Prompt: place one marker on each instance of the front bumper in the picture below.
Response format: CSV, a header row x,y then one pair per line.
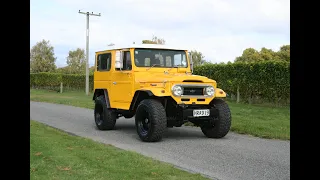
x,y
196,100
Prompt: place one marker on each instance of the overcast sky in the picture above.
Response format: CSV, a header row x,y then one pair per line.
x,y
220,29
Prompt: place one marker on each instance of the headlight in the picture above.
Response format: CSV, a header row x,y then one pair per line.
x,y
210,91
177,90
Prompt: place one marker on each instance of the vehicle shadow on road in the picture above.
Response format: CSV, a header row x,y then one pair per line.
x,y
128,127
183,133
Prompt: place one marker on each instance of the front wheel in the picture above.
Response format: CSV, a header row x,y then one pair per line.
x,y
222,125
150,120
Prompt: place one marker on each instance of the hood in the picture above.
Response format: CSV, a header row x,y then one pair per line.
x,y
172,77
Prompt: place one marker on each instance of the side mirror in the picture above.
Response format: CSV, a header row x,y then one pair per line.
x,y
119,59
191,62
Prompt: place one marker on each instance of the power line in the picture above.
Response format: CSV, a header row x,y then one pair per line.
x,y
87,47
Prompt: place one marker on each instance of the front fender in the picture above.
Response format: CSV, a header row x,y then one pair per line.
x,y
220,93
156,91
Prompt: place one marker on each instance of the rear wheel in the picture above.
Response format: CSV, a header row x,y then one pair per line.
x,y
105,118
222,125
150,120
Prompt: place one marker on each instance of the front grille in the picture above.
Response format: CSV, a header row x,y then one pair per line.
x,y
193,91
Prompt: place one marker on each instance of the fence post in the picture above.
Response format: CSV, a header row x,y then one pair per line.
x,y
61,87
238,95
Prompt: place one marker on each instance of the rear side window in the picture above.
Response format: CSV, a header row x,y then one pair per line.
x,y
104,62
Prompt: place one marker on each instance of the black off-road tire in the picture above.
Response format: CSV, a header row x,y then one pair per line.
x,y
152,129
105,118
222,125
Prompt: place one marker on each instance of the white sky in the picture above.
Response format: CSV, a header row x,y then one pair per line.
x,y
220,29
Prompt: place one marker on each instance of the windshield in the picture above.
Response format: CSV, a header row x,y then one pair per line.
x,y
160,58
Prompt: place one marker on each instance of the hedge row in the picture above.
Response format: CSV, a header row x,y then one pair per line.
x,y
53,80
266,80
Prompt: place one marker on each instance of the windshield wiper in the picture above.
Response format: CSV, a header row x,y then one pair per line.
x,y
176,66
153,66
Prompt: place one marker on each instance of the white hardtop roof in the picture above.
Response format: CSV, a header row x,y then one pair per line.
x,y
149,46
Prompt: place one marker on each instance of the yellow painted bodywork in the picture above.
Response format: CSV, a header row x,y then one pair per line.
x,y
122,85
220,93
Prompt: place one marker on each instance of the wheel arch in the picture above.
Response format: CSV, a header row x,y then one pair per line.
x,y
139,96
99,92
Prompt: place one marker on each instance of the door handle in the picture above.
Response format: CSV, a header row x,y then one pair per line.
x,y
114,83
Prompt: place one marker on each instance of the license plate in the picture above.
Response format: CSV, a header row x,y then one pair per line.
x,y
201,112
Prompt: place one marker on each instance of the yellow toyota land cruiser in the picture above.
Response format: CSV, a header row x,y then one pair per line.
x,y
154,84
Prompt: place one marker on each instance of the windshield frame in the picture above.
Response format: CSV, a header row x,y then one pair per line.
x,y
183,52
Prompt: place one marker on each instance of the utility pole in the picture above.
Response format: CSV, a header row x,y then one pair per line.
x,y
87,48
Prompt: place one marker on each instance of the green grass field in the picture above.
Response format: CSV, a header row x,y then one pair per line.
x,y
256,120
58,155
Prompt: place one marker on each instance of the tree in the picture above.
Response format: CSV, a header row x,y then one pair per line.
x,y
284,53
76,61
197,58
155,40
206,62
249,55
42,57
63,70
252,55
91,69
268,54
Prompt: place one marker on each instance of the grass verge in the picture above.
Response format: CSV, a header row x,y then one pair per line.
x,y
256,120
57,155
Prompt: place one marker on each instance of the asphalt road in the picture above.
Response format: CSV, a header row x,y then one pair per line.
x,y
231,158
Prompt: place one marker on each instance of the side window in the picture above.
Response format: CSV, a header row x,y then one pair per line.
x,y
127,65
104,62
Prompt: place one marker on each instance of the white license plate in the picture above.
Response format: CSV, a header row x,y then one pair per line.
x,y
201,112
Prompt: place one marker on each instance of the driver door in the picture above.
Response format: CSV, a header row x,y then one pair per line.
x,y
122,83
